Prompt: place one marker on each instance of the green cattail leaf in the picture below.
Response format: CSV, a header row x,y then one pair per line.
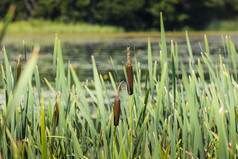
x,y
223,44
24,51
100,99
4,145
173,72
77,148
91,94
15,73
233,58
112,82
55,54
163,41
62,121
150,63
37,78
114,68
43,137
189,49
81,91
142,129
142,113
69,76
228,46
236,114
50,86
206,45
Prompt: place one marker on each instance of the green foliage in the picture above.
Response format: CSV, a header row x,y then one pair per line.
x,y
122,13
130,14
173,16
194,116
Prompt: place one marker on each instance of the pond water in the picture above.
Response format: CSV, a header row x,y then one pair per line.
x,y
79,52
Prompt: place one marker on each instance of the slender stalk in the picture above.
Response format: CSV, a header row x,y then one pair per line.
x,y
130,125
114,142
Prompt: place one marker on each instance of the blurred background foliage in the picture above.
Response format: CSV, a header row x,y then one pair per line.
x,y
139,15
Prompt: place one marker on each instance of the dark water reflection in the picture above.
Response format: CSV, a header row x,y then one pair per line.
x,y
80,53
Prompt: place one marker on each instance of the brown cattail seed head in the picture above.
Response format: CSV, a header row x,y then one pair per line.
x,y
117,110
117,107
129,73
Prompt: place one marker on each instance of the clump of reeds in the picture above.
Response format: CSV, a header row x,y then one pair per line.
x,y
117,107
193,115
129,72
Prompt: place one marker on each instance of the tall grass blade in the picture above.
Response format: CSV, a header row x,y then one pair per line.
x,y
163,41
8,19
77,148
206,45
43,137
37,78
189,49
99,91
150,63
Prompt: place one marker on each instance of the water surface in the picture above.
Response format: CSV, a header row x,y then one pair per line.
x,y
79,51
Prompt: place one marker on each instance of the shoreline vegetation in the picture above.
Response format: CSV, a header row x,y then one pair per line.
x,y
45,31
44,27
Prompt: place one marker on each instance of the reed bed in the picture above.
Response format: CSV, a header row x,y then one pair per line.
x,y
173,113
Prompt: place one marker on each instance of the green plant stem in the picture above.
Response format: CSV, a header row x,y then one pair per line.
x,y
130,125
130,111
114,142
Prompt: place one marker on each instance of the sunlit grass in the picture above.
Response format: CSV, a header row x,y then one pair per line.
x,y
49,27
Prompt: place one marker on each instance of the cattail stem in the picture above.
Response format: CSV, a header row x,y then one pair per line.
x,y
119,88
114,142
130,121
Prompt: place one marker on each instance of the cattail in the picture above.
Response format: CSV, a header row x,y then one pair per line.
x,y
117,106
18,67
129,73
56,110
